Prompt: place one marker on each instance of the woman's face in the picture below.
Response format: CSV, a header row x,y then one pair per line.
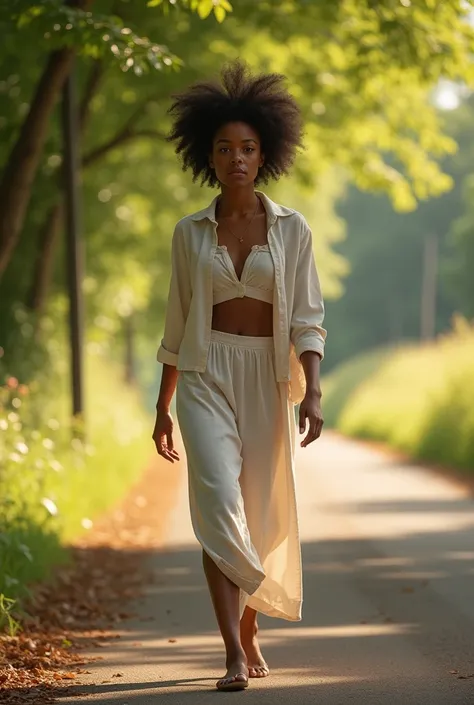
x,y
236,154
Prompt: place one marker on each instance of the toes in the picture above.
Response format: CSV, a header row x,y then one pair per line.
x,y
239,677
259,671
229,679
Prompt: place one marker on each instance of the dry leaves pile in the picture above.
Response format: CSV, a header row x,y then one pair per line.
x,y
83,604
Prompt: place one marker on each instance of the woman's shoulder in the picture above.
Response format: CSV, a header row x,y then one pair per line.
x,y
194,219
186,226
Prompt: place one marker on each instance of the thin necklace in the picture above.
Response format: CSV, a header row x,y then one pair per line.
x,y
241,239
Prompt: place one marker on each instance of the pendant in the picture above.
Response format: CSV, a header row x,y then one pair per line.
x,y
241,239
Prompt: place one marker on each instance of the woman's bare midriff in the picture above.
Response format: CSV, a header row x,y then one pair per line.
x,y
244,317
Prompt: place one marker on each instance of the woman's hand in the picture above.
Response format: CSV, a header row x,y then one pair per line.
x,y
163,436
310,409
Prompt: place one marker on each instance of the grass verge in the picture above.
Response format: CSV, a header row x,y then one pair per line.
x,y
54,482
418,399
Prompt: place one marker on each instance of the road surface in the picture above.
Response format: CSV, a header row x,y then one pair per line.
x,y
388,616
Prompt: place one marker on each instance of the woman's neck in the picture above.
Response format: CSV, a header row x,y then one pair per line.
x,y
238,202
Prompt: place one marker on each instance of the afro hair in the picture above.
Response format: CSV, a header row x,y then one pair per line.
x,y
260,101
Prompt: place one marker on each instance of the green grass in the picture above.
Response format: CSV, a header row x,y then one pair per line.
x,y
339,385
419,399
54,483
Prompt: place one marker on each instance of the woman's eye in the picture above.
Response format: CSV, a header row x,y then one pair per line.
x,y
224,149
249,149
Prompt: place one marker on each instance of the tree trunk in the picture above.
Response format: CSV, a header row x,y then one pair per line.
x,y
45,257
49,232
49,239
22,165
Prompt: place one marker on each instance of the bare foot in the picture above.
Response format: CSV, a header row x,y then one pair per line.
x,y
237,676
258,667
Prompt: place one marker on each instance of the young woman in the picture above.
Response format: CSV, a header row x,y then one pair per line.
x,y
242,344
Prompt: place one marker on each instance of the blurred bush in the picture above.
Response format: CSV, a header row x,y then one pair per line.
x,y
419,399
56,476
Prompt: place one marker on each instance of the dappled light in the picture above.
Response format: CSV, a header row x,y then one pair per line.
x,y
98,553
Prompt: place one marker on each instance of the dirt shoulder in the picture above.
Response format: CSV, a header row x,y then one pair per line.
x,y
82,605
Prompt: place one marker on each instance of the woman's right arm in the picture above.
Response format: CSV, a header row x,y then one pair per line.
x,y
179,300
163,431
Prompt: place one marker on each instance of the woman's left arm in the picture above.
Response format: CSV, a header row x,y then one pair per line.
x,y
308,336
310,407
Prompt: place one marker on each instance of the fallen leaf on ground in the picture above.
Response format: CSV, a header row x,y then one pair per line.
x,y
77,610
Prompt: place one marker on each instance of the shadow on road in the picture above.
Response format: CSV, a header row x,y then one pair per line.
x,y
371,607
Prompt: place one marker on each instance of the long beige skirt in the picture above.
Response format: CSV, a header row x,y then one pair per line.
x,y
238,429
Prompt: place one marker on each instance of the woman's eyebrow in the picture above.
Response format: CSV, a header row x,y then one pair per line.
x,y
248,139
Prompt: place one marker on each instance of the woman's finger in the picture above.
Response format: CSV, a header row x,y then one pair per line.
x,y
166,454
310,436
169,440
163,450
320,426
302,418
314,431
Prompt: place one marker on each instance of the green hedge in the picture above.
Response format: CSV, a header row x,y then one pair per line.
x,y
53,483
418,398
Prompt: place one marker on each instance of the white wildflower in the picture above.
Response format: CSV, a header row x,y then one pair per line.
x,y
50,506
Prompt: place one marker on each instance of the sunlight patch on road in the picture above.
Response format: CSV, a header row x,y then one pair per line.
x,y
340,631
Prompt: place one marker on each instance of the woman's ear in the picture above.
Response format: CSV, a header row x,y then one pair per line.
x,y
262,160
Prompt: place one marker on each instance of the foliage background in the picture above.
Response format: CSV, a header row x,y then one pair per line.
x,y
385,165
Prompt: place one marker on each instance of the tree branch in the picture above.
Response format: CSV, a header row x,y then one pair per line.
x,y
120,138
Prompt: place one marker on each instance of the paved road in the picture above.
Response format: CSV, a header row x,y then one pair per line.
x,y
389,599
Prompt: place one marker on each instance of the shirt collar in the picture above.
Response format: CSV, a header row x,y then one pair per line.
x,y
273,210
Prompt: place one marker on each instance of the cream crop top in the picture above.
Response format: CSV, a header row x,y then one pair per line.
x,y
256,281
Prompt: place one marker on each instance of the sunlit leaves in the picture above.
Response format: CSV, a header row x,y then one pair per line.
x,y
203,7
94,35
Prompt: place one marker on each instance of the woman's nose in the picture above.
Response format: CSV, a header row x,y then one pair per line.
x,y
236,158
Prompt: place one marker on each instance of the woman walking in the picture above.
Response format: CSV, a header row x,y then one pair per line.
x,y
242,344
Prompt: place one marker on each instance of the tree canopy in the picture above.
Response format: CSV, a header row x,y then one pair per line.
x,y
363,72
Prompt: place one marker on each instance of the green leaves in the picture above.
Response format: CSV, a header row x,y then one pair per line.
x,y
92,35
7,621
203,7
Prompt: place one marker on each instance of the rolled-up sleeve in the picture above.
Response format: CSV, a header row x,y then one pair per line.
x,y
179,299
306,329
